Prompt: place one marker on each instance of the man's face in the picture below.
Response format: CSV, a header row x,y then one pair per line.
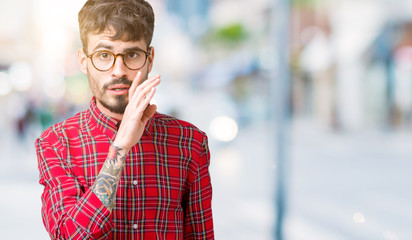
x,y
110,88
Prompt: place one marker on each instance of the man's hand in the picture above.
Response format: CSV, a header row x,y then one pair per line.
x,y
138,111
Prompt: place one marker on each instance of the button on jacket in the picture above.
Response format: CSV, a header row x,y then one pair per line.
x,y
164,191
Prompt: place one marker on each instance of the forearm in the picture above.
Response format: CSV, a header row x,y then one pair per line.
x,y
107,182
86,219
70,209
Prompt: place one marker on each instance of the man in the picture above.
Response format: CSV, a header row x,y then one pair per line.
x,y
120,170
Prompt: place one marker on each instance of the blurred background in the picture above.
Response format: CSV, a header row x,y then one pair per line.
x,y
307,105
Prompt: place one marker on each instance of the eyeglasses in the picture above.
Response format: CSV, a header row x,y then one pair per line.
x,y
104,60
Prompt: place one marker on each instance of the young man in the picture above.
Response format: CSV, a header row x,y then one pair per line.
x,y
120,170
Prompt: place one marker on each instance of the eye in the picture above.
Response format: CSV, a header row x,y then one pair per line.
x,y
103,55
134,54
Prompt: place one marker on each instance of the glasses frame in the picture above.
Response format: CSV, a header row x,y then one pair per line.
x,y
148,53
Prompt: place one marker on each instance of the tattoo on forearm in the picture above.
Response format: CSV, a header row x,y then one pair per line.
x,y
105,186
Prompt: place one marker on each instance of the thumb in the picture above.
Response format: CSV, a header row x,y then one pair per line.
x,y
148,113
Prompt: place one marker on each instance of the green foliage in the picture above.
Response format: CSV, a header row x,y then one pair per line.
x,y
228,37
231,33
303,2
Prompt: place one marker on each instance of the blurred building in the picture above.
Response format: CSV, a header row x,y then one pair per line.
x,y
193,15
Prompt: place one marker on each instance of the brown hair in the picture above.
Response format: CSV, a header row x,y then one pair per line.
x,y
131,20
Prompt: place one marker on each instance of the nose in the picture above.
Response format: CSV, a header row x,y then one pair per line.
x,y
119,69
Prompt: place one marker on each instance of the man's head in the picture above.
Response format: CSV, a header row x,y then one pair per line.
x,y
113,34
130,20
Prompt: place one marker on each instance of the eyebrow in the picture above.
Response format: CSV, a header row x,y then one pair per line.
x,y
106,46
103,45
134,49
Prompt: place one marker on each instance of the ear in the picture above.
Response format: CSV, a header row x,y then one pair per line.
x,y
150,59
82,58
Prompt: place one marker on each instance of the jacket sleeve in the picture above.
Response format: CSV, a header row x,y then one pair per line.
x,y
198,213
69,210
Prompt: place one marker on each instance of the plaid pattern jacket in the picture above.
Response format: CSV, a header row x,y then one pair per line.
x,y
165,189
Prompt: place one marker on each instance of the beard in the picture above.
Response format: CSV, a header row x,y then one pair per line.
x,y
116,104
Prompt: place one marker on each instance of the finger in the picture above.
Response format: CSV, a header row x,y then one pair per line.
x,y
145,85
146,100
150,95
149,81
135,84
145,89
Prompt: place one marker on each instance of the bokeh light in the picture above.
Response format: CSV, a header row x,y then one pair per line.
x,y
224,128
5,84
21,76
358,217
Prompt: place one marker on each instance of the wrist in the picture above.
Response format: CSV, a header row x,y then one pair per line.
x,y
123,148
117,156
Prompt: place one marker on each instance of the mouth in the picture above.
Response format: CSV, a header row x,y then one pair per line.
x,y
119,89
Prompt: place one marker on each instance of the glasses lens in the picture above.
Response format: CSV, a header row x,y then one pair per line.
x,y
134,59
103,60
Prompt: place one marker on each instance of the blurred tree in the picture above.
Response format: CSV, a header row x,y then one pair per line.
x,y
229,36
304,2
231,33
